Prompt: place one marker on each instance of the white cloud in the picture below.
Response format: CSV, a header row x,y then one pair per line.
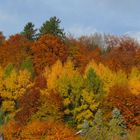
x,y
134,34
77,30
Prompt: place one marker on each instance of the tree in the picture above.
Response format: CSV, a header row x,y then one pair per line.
x,y
28,105
122,55
47,50
52,26
50,108
15,49
134,81
69,86
98,131
117,127
79,101
27,64
29,32
120,97
13,133
53,74
48,130
2,38
93,82
93,41
108,77
13,86
81,54
86,108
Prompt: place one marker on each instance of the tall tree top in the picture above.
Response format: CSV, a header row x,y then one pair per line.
x,y
29,31
52,26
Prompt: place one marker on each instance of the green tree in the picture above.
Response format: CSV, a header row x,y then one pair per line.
x,y
117,127
8,70
28,65
99,130
93,82
29,31
52,26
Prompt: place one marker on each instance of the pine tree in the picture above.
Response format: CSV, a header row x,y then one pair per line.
x,y
29,32
93,82
52,26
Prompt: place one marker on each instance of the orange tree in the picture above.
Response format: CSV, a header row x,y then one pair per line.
x,y
46,50
15,50
120,97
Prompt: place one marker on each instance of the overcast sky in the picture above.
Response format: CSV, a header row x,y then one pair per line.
x,y
77,16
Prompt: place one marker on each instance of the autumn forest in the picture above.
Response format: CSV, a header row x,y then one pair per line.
x,y
55,86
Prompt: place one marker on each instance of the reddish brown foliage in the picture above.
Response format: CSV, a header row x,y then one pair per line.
x,y
2,39
12,130
81,54
127,103
37,130
29,104
18,41
14,50
54,105
122,56
49,130
47,50
40,82
137,58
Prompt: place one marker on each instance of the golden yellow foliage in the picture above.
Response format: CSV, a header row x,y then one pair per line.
x,y
86,109
53,74
13,87
47,130
57,70
108,77
134,81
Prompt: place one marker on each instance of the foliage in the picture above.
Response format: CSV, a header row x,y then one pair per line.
x,y
2,39
8,69
29,32
122,55
13,86
47,50
134,81
99,130
14,50
44,130
117,127
135,134
13,133
52,26
94,84
29,104
50,81
128,104
50,107
53,74
27,64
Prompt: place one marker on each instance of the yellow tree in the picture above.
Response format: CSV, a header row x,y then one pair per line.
x,y
78,95
12,87
134,81
107,76
52,75
86,109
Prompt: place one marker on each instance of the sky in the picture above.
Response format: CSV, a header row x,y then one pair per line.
x,y
78,17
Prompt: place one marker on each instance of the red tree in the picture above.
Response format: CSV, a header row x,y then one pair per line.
x,y
120,97
47,50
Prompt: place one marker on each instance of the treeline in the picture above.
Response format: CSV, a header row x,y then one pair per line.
x,y
54,86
